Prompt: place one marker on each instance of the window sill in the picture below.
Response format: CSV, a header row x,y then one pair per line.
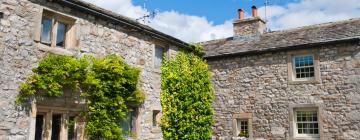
x,y
304,82
306,138
157,70
155,129
55,50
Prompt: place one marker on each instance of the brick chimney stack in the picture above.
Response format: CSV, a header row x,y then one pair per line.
x,y
249,27
254,11
241,14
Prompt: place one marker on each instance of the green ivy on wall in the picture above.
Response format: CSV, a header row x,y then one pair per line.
x,y
186,98
108,84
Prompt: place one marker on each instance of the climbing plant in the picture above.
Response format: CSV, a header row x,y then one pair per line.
x,y
186,98
108,84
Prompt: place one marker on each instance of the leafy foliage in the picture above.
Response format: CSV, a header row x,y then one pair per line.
x,y
186,98
108,84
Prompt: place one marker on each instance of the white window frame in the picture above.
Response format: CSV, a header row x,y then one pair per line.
x,y
295,129
294,68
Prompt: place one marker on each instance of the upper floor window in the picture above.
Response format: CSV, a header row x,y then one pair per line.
x,y
159,56
56,30
304,67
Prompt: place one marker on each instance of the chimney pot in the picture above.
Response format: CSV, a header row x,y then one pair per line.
x,y
254,11
241,14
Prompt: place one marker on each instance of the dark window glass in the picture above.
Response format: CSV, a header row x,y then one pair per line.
x,y
60,37
56,125
46,30
39,127
71,128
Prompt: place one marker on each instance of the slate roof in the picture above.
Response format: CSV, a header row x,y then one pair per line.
x,y
272,41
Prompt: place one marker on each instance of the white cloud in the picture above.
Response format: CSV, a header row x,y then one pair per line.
x,y
195,28
308,12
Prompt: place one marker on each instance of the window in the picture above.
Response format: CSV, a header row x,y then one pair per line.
x,y
242,126
55,123
159,56
156,118
307,123
304,67
56,30
129,124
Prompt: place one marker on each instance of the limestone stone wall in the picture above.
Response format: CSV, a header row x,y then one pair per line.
x,y
19,53
258,84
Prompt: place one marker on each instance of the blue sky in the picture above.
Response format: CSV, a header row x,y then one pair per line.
x,y
202,20
216,11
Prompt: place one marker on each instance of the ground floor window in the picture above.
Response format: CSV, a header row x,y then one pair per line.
x,y
307,123
129,124
57,126
242,126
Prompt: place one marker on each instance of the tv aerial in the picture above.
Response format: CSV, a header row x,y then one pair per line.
x,y
146,18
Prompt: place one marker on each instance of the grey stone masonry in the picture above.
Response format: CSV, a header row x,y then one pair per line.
x,y
258,83
20,51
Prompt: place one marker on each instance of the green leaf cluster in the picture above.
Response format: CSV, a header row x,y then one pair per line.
x,y
108,84
186,98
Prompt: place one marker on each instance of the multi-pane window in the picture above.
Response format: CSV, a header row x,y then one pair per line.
x,y
304,67
159,56
243,126
54,29
307,123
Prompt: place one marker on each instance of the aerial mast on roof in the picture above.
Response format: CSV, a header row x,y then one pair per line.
x,y
266,3
148,15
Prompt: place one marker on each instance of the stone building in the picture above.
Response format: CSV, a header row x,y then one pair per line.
x,y
31,29
301,83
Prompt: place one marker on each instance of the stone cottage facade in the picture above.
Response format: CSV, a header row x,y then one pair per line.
x,y
302,83
31,29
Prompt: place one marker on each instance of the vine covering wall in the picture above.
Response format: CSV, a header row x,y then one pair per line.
x,y
186,98
108,84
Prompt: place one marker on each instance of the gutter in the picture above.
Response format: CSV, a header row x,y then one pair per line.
x,y
125,22
285,48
